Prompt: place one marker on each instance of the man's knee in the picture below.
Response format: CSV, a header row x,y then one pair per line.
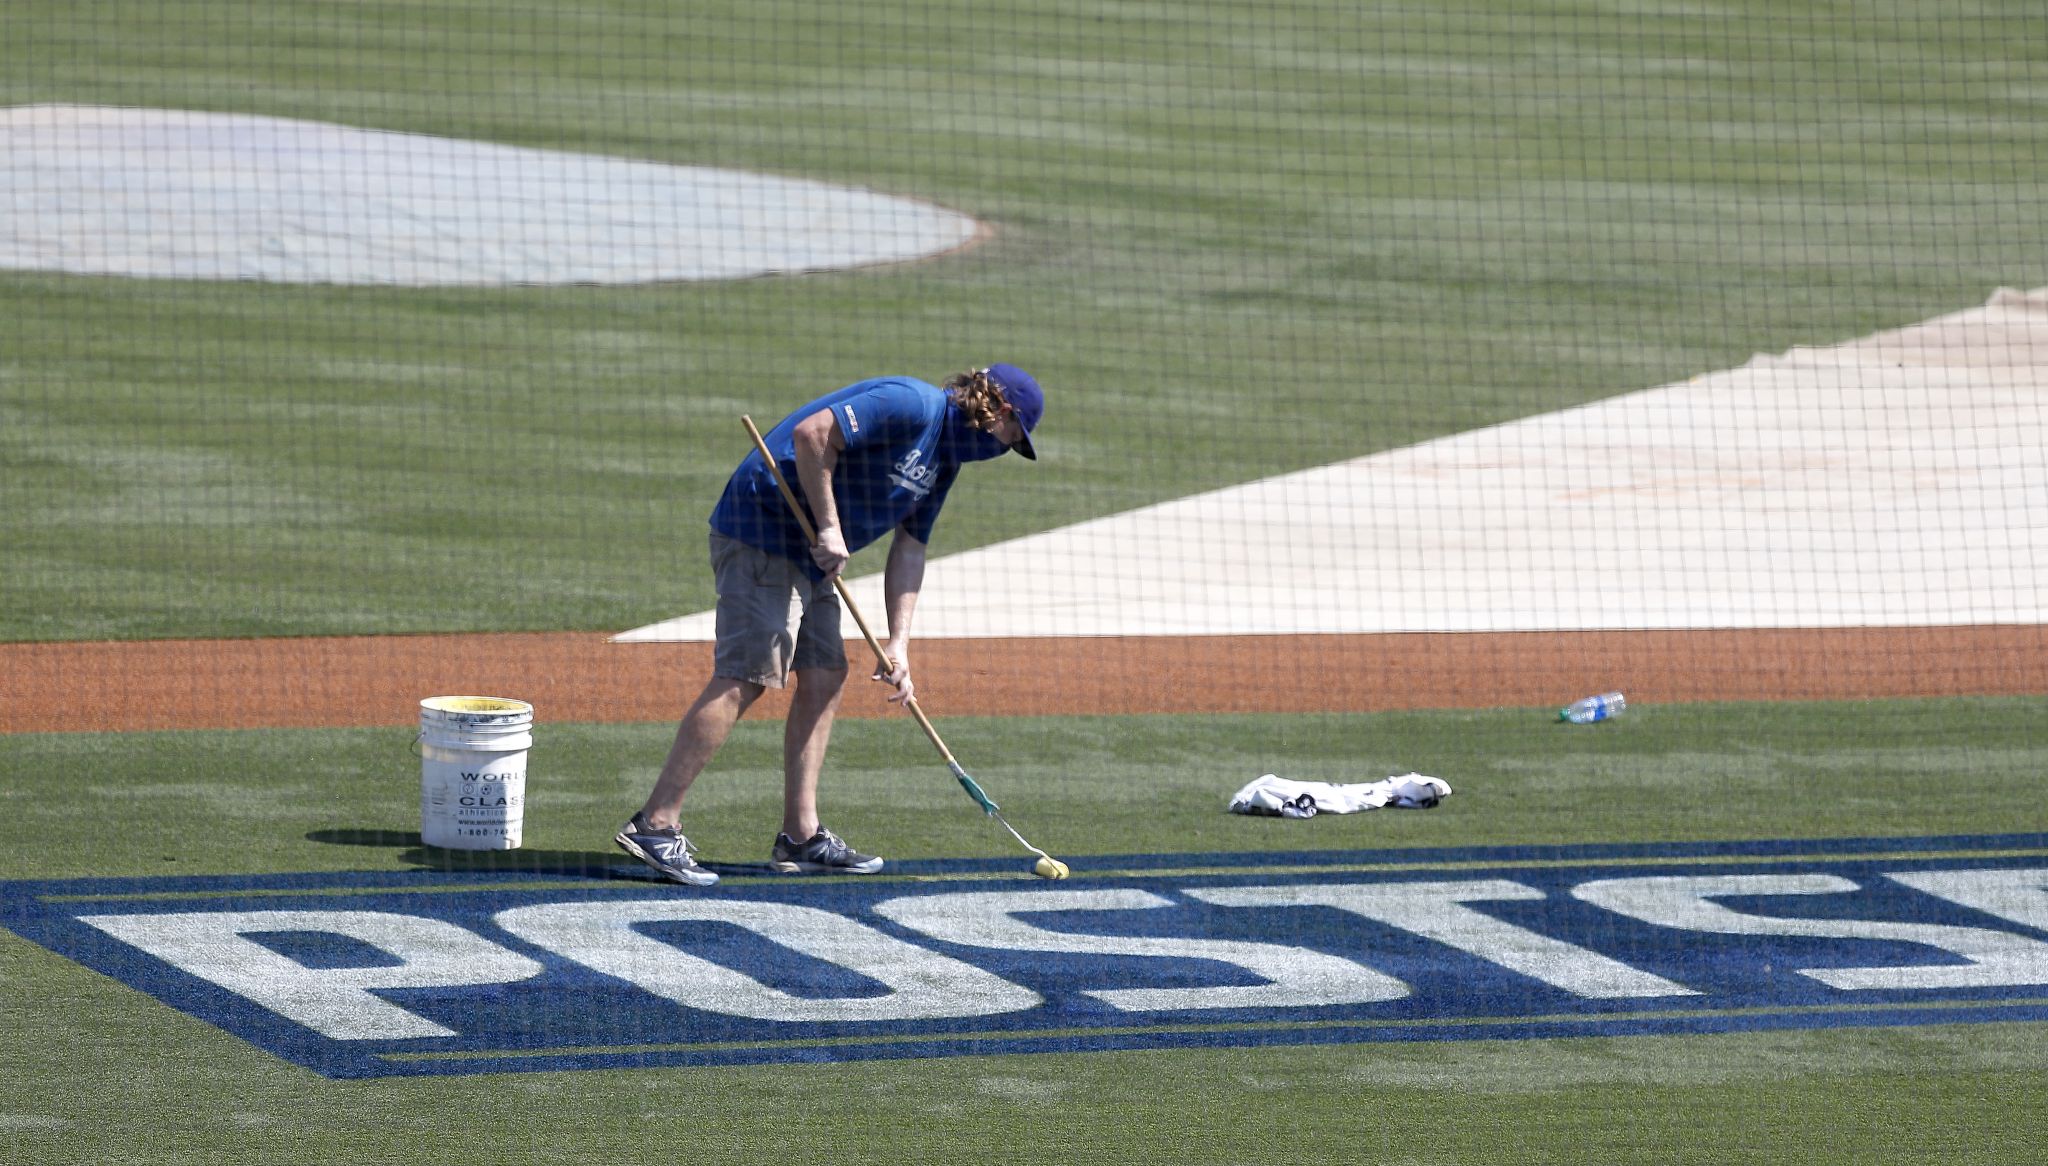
x,y
738,695
820,683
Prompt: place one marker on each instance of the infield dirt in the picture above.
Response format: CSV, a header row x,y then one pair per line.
x,y
583,676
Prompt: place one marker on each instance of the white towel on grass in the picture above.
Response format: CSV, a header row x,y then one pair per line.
x,y
1275,795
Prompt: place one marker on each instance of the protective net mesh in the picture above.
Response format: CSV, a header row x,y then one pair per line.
x,y
1453,356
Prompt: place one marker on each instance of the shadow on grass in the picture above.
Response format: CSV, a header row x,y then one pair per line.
x,y
590,864
578,863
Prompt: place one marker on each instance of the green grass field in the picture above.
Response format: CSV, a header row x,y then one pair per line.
x,y
97,1073
1231,240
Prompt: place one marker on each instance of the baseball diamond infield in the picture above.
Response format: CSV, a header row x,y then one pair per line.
x,y
1858,520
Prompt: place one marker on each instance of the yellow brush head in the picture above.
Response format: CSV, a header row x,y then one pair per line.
x,y
1049,868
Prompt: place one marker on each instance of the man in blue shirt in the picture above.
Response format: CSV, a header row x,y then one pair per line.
x,y
873,458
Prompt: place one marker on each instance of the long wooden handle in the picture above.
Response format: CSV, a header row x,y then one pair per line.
x,y
845,596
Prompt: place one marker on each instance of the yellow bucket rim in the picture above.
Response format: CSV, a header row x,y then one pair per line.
x,y
475,704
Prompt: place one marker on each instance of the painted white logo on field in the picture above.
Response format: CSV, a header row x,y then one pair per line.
x,y
1990,959
335,1002
916,983
366,975
1292,977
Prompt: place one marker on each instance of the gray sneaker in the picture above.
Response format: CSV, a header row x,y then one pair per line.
x,y
667,851
823,853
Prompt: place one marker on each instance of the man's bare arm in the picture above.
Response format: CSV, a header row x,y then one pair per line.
x,y
818,442
902,579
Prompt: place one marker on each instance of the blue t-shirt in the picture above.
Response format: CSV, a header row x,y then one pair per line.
x,y
905,443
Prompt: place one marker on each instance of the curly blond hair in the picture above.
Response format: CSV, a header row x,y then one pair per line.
x,y
978,397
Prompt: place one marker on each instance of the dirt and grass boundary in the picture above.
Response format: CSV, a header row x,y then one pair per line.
x,y
583,676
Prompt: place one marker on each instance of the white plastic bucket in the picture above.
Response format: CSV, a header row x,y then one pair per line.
x,y
473,771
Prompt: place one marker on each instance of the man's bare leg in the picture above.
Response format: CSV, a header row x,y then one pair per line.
x,y
698,738
804,739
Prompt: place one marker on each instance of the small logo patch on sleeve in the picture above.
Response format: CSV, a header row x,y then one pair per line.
x,y
852,422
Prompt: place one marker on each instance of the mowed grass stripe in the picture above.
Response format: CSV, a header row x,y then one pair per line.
x,y
98,1057
1231,240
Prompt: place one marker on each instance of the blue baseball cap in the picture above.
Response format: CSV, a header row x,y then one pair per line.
x,y
1024,395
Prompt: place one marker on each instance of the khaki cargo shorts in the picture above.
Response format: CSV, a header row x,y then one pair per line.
x,y
771,616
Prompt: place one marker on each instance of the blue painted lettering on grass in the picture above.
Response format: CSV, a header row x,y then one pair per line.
x,y
382,974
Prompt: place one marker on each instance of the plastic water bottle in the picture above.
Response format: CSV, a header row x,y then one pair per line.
x,y
1593,708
